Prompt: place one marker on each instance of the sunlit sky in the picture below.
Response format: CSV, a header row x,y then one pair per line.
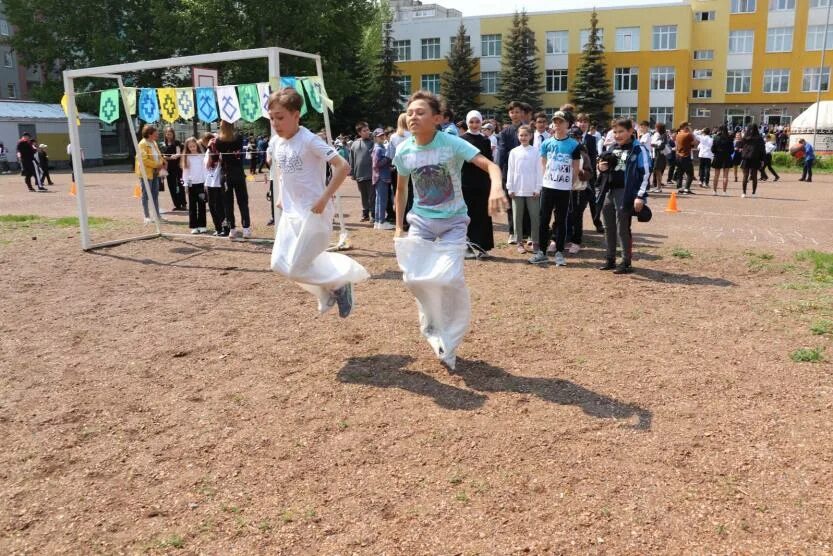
x,y
487,7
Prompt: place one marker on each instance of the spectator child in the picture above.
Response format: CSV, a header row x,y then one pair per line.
x,y
193,177
705,154
381,179
523,181
214,186
809,159
769,148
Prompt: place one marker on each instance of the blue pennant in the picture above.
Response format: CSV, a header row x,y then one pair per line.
x,y
148,106
206,105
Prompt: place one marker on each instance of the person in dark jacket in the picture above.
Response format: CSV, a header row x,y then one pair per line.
x,y
591,145
43,160
508,140
723,149
752,153
476,188
361,168
229,145
26,158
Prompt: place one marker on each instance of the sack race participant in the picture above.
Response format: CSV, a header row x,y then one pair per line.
x,y
431,256
306,210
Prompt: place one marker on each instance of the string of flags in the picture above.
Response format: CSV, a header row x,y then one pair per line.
x,y
229,103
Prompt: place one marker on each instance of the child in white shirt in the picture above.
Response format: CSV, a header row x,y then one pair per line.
x,y
193,176
769,148
523,181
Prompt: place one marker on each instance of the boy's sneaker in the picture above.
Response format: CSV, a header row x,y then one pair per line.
x,y
247,233
623,268
147,220
195,231
610,264
344,298
386,226
513,240
203,230
574,248
232,233
538,258
551,248
560,260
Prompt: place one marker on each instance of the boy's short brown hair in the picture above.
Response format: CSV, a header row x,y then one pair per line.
x,y
287,97
626,123
515,104
582,117
428,97
360,126
541,115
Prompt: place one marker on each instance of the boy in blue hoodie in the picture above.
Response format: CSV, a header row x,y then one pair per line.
x,y
809,159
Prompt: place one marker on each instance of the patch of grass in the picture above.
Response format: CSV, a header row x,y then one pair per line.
x,y
721,530
18,218
264,526
25,220
173,541
288,516
462,497
681,253
821,327
310,514
231,509
822,264
808,355
342,425
758,261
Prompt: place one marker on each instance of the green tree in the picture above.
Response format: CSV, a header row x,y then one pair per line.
x,y
591,88
388,97
460,85
520,79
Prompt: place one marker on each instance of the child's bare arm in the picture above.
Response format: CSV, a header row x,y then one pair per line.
x,y
340,170
497,200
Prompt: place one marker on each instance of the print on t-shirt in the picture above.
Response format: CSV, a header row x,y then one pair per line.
x,y
289,162
560,168
433,183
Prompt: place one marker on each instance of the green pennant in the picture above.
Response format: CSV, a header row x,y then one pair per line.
x,y
312,94
249,100
108,109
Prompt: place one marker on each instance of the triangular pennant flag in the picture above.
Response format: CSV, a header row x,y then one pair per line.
x,y
148,105
137,191
228,103
130,96
108,108
185,102
318,83
64,101
312,94
293,83
206,105
263,91
72,189
167,100
249,102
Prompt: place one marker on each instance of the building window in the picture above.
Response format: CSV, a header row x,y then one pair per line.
x,y
624,112
11,88
431,49
701,93
488,115
779,39
584,37
431,82
8,58
743,6
701,74
815,37
404,82
816,79
489,82
781,5
490,46
704,54
662,78
557,42
776,80
557,81
819,3
467,40
704,16
665,37
627,39
625,79
738,81
701,113
402,50
661,114
424,13
4,27
741,42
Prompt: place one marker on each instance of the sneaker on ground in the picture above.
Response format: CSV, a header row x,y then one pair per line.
x,y
609,265
386,226
247,233
203,230
195,231
344,298
470,254
560,260
147,220
551,248
743,195
623,268
538,258
574,248
513,240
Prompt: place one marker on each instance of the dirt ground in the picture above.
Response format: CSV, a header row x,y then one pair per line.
x,y
175,396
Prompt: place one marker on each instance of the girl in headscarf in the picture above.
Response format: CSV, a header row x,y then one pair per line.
x,y
476,187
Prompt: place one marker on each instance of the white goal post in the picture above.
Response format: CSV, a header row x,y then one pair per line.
x,y
272,54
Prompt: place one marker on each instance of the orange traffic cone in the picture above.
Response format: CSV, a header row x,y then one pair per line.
x,y
72,189
137,191
672,203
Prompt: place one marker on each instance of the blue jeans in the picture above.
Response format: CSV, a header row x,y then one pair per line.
x,y
382,191
154,191
807,172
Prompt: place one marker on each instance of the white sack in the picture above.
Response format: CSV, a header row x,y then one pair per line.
x,y
433,271
300,254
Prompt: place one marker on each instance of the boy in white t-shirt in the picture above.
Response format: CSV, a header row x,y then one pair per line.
x,y
304,195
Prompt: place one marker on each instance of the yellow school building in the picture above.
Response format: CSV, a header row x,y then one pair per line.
x,y
706,61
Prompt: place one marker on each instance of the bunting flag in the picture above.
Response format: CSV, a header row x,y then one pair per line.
x,y
206,105
167,100
229,105
64,101
292,83
318,84
249,102
263,91
185,102
148,106
108,106
130,95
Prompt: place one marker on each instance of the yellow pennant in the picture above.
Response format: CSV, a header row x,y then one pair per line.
x,y
72,189
64,102
137,191
167,104
130,97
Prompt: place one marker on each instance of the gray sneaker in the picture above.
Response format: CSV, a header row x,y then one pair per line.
x,y
344,298
560,260
538,258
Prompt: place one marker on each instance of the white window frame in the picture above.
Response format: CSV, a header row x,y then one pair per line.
x,y
4,28
11,89
701,93
489,82
738,81
655,111
781,5
663,78
558,42
779,77
819,3
743,6
430,82
779,39
664,37
8,58
556,81
703,55
453,40
430,46
705,15
707,73
490,45
700,112
584,36
627,39
402,81
625,112
400,48
815,74
815,37
741,41
626,76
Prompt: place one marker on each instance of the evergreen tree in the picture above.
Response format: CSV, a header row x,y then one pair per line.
x,y
591,88
388,98
520,79
460,85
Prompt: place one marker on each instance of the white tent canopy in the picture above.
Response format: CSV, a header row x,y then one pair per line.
x,y
804,126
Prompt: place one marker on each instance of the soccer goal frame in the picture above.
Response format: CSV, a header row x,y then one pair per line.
x,y
115,71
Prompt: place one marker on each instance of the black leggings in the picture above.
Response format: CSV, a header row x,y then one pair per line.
x,y
705,170
215,206
558,202
196,206
237,186
768,166
747,173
